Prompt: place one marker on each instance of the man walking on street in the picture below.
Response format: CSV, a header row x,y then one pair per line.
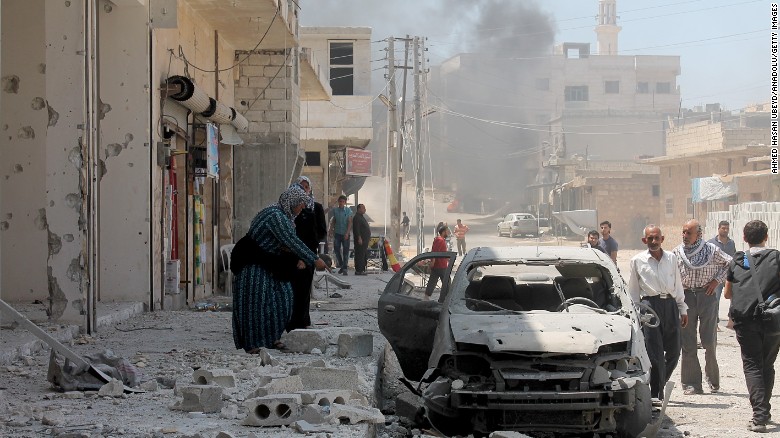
x,y
405,227
460,236
655,280
722,241
608,243
439,268
341,226
702,266
362,234
753,277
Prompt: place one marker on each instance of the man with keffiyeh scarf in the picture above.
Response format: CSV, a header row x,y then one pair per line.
x,y
702,267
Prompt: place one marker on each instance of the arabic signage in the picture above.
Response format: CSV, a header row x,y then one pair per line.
x,y
358,162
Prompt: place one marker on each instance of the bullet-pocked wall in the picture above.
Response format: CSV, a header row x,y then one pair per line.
x,y
43,198
125,214
23,233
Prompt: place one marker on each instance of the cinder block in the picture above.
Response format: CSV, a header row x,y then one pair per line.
x,y
407,405
328,378
355,345
222,377
305,340
333,333
355,414
325,397
284,385
273,410
200,398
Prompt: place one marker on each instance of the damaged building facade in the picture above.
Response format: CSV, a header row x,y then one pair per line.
x,y
110,191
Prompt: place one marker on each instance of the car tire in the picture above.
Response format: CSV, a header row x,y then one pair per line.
x,y
449,426
499,231
631,423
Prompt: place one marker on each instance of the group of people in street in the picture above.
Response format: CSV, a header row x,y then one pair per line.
x,y
683,287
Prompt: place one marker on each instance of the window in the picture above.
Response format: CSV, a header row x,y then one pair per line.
x,y
642,87
312,158
663,88
342,70
689,205
576,93
669,206
543,84
656,190
612,87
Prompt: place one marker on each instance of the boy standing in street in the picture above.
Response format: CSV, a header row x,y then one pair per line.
x,y
460,236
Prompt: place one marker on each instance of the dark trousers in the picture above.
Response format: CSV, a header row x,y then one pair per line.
x,y
301,286
702,316
436,274
361,256
759,352
662,343
341,250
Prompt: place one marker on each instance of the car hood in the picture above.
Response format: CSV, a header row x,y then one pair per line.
x,y
569,333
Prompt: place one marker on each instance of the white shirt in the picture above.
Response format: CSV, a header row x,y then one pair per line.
x,y
651,277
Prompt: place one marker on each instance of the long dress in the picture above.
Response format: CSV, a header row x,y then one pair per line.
x,y
262,304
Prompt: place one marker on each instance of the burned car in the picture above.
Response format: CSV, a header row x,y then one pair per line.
x,y
526,339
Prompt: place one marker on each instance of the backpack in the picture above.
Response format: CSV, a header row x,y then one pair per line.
x,y
760,276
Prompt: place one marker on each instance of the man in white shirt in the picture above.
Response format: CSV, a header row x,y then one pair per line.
x,y
655,280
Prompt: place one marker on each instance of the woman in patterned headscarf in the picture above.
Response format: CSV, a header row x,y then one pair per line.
x,y
311,228
261,303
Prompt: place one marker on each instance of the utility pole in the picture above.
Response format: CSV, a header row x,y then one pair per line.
x,y
420,210
392,146
402,127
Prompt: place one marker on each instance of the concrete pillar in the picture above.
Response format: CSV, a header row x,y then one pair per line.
x,y
268,94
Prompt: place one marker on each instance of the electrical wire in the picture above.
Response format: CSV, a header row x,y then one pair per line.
x,y
182,56
262,92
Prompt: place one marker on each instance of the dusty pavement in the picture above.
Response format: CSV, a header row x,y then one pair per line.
x,y
168,346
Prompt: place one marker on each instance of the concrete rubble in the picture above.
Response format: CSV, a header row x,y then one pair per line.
x,y
196,385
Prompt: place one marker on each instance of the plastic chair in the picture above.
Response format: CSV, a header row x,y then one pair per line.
x,y
224,255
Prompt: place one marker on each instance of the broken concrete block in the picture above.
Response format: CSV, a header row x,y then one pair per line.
x,y
328,378
230,412
406,405
303,426
315,414
273,410
224,434
355,414
114,388
317,363
200,398
150,386
357,399
52,418
222,377
355,344
325,397
305,340
284,385
333,333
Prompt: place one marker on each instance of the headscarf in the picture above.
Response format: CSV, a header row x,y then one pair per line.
x,y
310,201
698,254
290,198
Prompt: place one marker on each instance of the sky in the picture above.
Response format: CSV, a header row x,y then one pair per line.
x,y
724,46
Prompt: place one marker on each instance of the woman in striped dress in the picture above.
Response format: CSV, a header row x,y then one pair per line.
x,y
261,303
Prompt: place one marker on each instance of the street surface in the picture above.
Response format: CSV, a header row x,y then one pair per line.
x,y
170,345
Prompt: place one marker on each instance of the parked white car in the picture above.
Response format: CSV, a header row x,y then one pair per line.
x,y
518,224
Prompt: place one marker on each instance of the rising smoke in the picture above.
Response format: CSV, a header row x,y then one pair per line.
x,y
498,46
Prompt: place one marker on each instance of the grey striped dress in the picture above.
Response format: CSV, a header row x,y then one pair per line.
x,y
261,304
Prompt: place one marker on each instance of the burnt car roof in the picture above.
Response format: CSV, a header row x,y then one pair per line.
x,y
509,253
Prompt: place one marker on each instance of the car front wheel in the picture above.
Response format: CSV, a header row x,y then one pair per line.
x,y
631,423
499,231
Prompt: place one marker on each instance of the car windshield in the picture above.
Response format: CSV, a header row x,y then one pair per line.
x,y
535,286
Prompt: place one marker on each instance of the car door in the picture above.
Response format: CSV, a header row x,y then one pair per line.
x,y
406,320
506,224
